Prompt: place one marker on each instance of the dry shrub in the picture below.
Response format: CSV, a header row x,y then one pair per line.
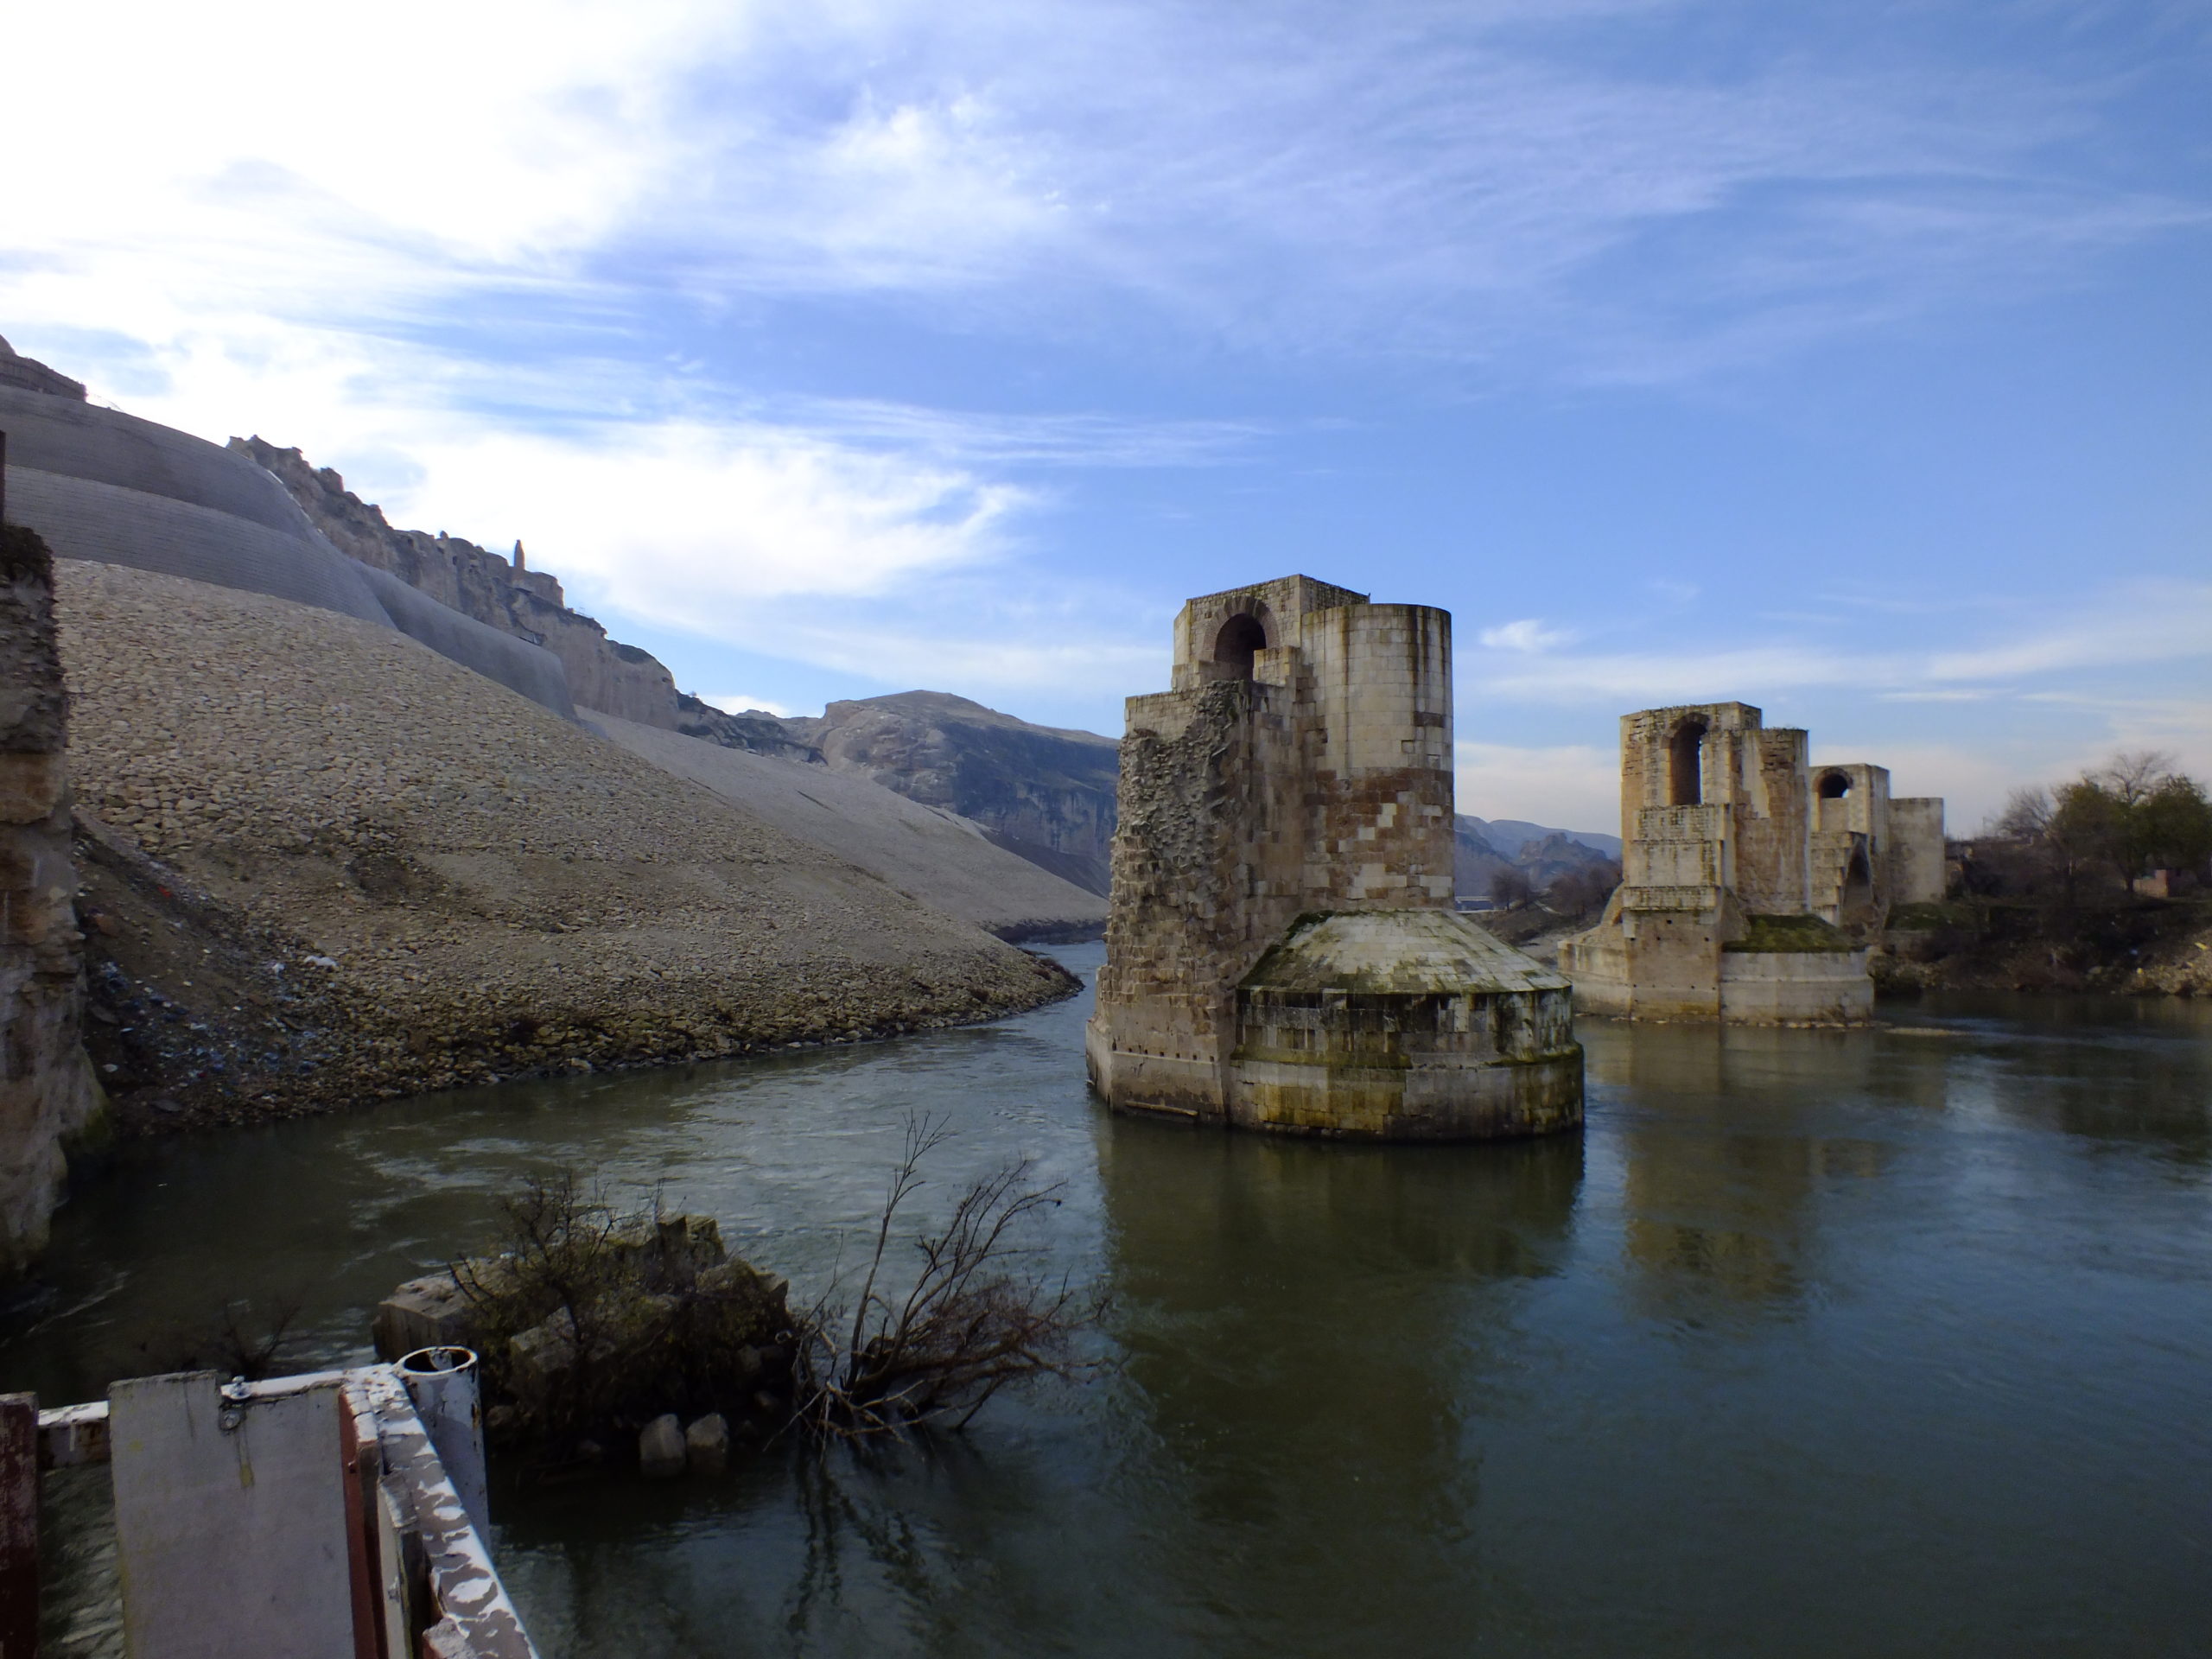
x,y
971,1321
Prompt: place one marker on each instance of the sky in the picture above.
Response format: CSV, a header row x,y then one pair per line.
x,y
1850,360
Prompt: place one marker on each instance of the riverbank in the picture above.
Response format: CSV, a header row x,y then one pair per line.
x,y
323,865
2132,946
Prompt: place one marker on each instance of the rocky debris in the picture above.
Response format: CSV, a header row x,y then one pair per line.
x,y
603,674
661,1448
48,1098
599,1326
1040,791
927,853
398,876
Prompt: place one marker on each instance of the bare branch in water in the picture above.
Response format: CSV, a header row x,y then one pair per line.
x,y
968,1326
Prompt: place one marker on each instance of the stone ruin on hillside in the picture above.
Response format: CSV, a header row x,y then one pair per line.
x,y
1282,951
1752,883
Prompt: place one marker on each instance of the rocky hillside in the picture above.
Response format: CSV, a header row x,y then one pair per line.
x,y
1039,790
327,865
1540,859
603,674
927,853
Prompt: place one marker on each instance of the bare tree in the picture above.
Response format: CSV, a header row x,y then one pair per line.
x,y
968,1326
2026,815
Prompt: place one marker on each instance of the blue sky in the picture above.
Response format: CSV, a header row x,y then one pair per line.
x,y
1854,360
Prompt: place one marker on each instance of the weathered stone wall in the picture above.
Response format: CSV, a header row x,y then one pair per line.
x,y
1724,823
1301,768
1917,870
47,1092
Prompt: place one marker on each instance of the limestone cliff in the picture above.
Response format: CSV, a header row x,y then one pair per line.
x,y
603,674
47,1093
1041,791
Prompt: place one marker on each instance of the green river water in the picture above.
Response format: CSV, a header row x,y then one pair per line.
x,y
1894,1342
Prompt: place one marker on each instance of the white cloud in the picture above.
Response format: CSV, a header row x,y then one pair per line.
x,y
1529,635
741,702
1575,786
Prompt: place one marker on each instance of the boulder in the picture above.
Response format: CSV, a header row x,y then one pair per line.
x,y
705,1445
426,1312
661,1448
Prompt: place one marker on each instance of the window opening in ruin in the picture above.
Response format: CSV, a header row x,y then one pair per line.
x,y
1685,765
1835,786
1233,647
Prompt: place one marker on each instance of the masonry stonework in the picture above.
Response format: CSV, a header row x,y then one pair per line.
x,y
1282,951
1752,881
48,1097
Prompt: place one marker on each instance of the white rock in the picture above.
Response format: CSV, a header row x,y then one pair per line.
x,y
660,1448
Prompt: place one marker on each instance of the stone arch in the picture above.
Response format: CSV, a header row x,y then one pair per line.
x,y
1240,637
1834,785
1686,762
1855,903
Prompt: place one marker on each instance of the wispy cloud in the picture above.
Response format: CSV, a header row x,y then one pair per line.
x,y
1528,636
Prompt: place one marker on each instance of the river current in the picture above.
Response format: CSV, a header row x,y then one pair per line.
x,y
1893,1342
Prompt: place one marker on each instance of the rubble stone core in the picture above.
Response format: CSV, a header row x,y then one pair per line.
x,y
1752,883
1282,949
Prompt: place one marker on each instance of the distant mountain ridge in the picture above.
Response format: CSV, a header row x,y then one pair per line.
x,y
1044,792
1484,849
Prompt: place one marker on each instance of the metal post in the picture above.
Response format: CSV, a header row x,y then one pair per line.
x,y
18,1526
442,1383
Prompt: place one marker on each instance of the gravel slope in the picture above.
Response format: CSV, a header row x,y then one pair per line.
x,y
499,891
927,853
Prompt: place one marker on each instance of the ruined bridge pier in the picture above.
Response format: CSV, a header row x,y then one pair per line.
x,y
1283,951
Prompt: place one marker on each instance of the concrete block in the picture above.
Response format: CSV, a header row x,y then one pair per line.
x,y
229,1521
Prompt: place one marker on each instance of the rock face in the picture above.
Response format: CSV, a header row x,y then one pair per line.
x,y
927,852
1043,792
29,374
457,883
98,484
603,674
47,1093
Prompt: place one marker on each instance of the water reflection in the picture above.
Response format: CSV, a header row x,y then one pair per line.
x,y
1888,1342
1309,1330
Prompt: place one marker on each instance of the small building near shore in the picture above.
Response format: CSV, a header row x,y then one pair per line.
x,y
1753,883
1282,950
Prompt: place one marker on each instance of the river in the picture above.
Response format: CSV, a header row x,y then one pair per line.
x,y
1894,1341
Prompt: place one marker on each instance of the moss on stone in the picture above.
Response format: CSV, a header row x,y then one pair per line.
x,y
1791,934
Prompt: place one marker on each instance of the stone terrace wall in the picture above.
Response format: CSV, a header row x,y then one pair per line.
x,y
46,1089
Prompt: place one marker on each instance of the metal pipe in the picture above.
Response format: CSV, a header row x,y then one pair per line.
x,y
442,1383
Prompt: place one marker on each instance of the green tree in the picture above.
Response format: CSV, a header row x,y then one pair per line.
x,y
2175,822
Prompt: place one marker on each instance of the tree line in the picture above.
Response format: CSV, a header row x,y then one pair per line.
x,y
2136,815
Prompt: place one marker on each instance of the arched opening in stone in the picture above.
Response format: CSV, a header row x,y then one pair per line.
x,y
1234,646
1855,903
1685,764
1835,785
